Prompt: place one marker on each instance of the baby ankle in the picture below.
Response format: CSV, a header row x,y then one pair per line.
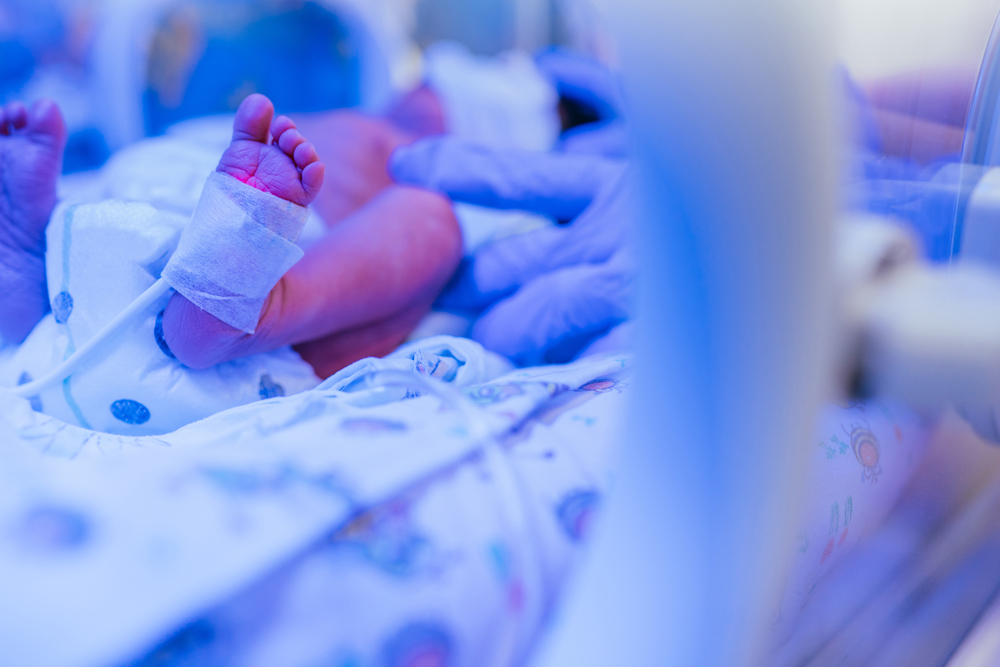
x,y
197,338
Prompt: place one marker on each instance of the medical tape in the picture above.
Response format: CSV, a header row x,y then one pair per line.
x,y
238,245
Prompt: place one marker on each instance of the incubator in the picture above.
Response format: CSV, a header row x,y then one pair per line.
x,y
427,508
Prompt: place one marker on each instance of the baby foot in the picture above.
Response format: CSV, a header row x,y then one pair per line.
x,y
31,149
271,156
288,168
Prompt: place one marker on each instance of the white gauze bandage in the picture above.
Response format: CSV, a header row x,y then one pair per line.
x,y
238,245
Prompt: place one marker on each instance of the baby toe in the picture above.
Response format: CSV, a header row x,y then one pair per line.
x,y
305,155
47,120
280,125
253,119
16,115
290,140
312,179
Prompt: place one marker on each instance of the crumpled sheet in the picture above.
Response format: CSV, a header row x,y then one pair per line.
x,y
114,542
366,522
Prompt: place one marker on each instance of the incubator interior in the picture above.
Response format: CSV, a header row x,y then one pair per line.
x,y
439,333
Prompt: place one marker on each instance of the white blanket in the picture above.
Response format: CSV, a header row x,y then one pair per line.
x,y
366,522
112,551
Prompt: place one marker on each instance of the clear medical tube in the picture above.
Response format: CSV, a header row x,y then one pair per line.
x,y
472,414
66,368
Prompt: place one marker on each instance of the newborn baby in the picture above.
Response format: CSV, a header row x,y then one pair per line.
x,y
357,292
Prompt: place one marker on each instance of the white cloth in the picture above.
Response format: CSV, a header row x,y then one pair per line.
x,y
861,458
482,226
100,257
463,568
353,525
110,553
136,172
238,245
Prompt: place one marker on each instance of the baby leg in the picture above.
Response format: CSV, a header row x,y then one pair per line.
x,y
357,292
356,149
31,147
373,275
270,155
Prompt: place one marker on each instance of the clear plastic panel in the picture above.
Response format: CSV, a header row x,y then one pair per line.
x,y
924,109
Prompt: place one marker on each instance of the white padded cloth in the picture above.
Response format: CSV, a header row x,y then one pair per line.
x,y
238,245
99,258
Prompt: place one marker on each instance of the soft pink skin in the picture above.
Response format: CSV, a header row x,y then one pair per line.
x,y
31,147
288,168
356,149
360,290
420,113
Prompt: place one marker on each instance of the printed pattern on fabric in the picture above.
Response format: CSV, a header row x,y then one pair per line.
x,y
862,457
359,525
433,504
462,568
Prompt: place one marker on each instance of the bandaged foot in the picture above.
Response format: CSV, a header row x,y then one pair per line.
x,y
31,147
202,326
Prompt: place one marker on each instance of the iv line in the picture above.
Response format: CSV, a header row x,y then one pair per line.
x,y
66,368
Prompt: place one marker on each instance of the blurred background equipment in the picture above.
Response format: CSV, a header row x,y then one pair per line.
x,y
889,37
125,69
206,57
